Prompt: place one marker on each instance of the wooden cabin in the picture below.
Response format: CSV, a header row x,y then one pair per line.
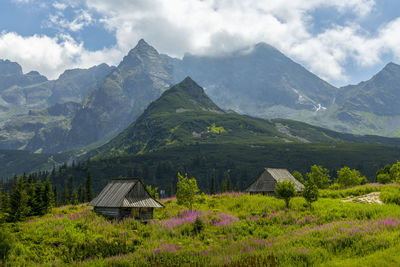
x,y
265,184
125,198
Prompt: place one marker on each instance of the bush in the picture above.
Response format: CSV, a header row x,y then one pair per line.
x,y
319,176
197,226
5,244
348,177
391,195
383,178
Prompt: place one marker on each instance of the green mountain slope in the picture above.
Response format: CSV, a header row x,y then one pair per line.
x,y
185,115
15,162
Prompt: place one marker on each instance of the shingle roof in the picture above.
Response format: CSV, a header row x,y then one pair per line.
x,y
114,195
267,180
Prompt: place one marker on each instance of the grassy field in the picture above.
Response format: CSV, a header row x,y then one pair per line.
x,y
232,229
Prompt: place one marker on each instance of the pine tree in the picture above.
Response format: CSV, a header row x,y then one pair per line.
x,y
31,193
74,197
55,193
228,181
47,197
81,194
38,199
65,194
18,209
170,190
212,185
70,188
88,187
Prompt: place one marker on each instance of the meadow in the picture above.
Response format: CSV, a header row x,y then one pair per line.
x,y
229,229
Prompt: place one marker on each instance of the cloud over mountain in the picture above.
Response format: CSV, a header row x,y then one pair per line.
x,y
219,26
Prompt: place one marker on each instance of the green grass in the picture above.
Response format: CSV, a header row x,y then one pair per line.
x,y
237,230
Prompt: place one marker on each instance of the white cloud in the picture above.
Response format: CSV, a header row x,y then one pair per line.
x,y
58,21
51,56
60,6
219,26
213,27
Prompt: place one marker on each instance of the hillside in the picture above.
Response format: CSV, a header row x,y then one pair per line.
x,y
185,115
235,229
15,162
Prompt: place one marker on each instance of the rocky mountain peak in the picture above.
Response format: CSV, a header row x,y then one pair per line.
x,y
8,67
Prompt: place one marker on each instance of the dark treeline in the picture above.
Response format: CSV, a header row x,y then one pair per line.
x,y
35,194
217,168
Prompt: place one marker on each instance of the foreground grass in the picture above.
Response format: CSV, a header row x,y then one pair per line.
x,y
235,230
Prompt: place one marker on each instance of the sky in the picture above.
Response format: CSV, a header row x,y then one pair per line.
x,y
343,42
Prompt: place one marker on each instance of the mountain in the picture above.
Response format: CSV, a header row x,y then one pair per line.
x,y
89,107
11,75
140,78
185,115
371,107
379,95
31,105
260,81
263,82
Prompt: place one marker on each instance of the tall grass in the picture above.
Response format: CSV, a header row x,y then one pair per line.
x,y
231,229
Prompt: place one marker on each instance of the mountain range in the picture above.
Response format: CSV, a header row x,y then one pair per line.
x,y
184,130
85,108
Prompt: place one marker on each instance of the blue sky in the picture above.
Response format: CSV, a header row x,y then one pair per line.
x,y
341,41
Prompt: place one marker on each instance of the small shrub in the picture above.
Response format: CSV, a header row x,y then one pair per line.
x,y
5,244
198,226
383,178
391,195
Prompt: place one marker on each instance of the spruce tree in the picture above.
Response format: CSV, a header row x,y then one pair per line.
x,y
170,190
38,199
47,197
88,187
18,209
70,188
228,181
81,194
65,194
212,185
55,194
74,197
31,193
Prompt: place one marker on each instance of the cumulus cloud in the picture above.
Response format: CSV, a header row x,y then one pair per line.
x,y
60,6
51,56
58,21
215,27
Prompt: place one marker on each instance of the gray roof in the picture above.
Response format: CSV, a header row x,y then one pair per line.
x,y
116,195
267,180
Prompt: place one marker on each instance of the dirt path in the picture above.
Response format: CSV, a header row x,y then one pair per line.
x,y
371,198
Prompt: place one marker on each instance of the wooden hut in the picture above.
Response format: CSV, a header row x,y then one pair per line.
x,y
265,184
124,198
